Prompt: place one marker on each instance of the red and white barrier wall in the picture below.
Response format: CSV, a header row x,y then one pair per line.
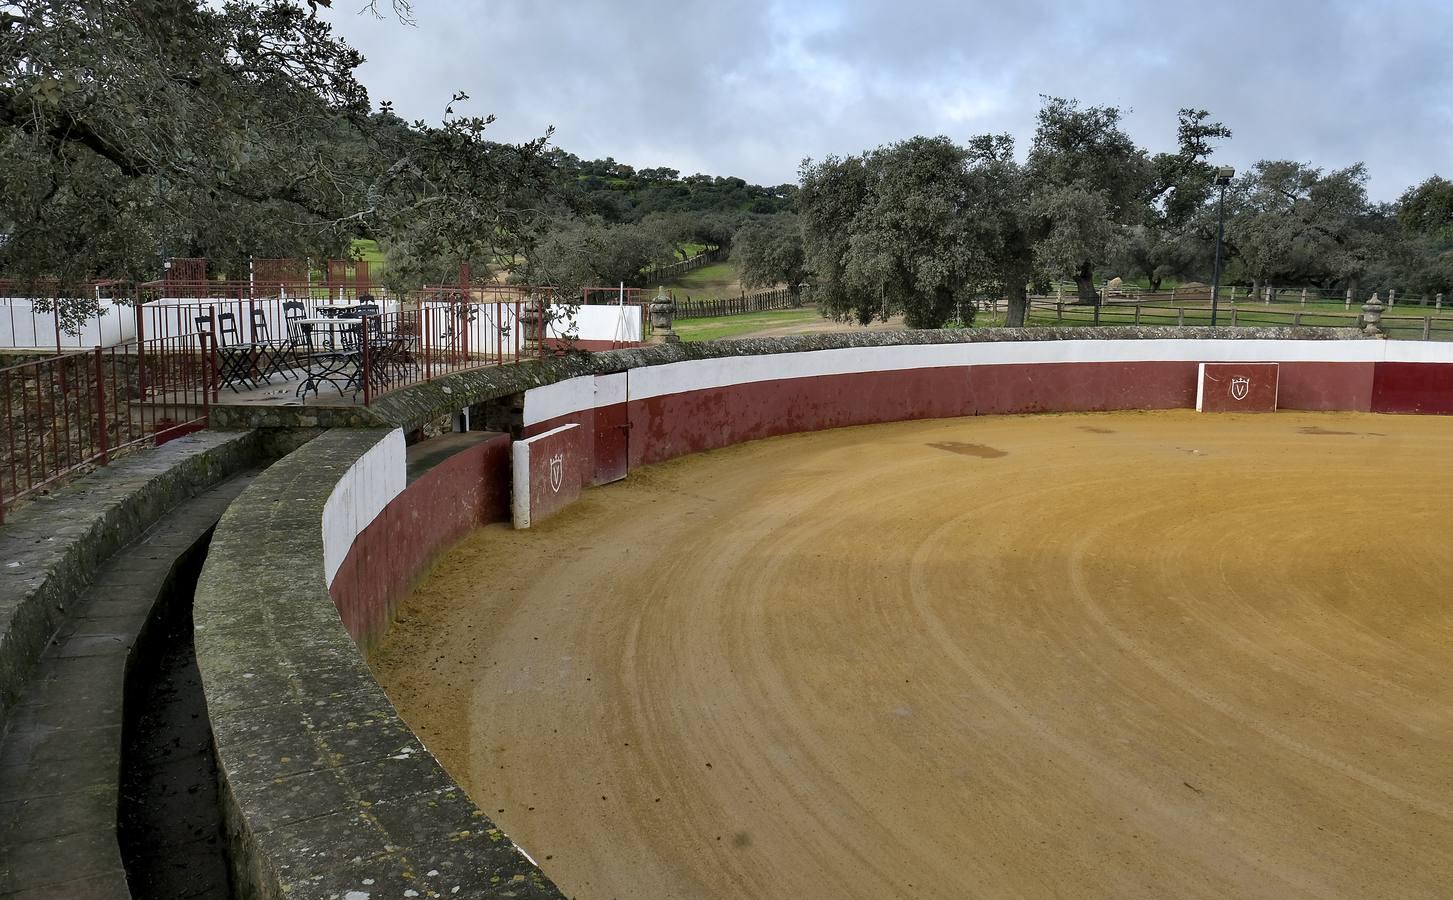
x,y
654,413
380,531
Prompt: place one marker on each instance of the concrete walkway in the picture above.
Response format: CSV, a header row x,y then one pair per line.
x,y
60,753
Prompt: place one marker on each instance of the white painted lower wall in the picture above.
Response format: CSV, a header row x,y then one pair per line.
x,y
597,323
370,484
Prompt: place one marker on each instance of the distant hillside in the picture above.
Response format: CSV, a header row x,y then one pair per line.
x,y
621,193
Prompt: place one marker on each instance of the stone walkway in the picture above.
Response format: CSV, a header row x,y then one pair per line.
x,y
60,754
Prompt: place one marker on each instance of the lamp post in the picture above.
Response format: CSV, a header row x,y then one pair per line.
x,y
1223,179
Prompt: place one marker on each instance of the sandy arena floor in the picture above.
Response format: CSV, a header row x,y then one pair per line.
x,y
1140,654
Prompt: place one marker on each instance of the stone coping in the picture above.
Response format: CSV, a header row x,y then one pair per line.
x,y
412,406
52,546
325,791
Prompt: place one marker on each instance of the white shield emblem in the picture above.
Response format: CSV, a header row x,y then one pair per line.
x,y
1240,387
557,472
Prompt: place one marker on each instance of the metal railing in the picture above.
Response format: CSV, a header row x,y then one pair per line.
x,y
365,352
436,337
66,412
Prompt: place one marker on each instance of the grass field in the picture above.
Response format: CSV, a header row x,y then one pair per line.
x,y
368,252
733,326
716,280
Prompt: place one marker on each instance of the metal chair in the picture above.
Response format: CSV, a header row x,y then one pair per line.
x,y
272,355
235,361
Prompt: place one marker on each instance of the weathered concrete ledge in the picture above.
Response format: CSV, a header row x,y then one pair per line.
x,y
61,752
325,791
414,405
52,547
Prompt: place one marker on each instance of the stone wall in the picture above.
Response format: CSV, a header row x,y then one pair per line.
x,y
52,546
325,791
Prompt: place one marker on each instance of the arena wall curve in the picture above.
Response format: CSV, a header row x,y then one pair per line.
x,y
328,792
655,413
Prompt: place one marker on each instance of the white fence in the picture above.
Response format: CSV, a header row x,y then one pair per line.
x,y
619,323
23,327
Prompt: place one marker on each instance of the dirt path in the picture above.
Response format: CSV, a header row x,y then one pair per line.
x,y
1143,654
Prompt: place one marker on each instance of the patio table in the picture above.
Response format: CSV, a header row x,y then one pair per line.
x,y
334,362
336,309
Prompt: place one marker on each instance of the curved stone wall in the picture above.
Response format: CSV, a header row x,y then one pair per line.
x,y
326,792
329,793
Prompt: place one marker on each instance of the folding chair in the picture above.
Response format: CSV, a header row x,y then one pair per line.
x,y
272,355
234,361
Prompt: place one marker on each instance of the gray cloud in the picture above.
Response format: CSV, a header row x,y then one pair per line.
x,y
751,88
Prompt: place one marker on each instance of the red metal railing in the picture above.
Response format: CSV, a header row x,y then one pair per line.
x,y
437,334
330,353
62,413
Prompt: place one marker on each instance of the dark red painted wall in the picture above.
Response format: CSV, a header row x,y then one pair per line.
x,y
473,487
666,427
468,489
1326,386
1082,387
612,435
609,427
1413,388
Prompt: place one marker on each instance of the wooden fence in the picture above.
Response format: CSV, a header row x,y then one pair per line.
x,y
1416,326
1266,296
672,271
761,301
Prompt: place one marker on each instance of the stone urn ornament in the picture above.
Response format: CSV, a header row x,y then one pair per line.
x,y
663,309
1372,317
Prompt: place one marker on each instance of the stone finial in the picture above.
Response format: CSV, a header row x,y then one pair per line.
x,y
663,310
1372,316
532,320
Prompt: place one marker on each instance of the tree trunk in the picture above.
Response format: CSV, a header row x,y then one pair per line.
x,y
1355,283
1018,299
1085,284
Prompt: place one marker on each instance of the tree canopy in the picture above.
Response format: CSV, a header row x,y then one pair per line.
x,y
928,225
138,130
922,226
770,252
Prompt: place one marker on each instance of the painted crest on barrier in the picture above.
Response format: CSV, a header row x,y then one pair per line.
x,y
1240,387
557,472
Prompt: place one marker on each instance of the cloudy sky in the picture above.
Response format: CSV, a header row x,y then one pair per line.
x,y
749,88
